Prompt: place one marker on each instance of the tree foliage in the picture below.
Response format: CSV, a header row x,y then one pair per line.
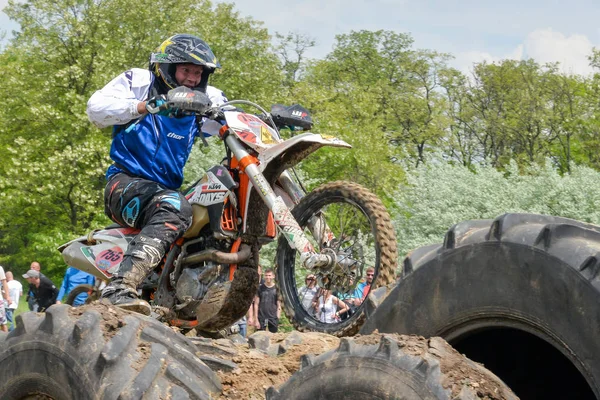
x,y
397,105
427,206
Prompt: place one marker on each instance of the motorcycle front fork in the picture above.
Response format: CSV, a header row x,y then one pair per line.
x,y
285,221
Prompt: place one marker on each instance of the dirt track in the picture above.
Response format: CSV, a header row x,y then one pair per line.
x,y
258,370
247,368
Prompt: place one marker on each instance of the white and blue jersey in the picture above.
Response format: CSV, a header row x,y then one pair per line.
x,y
156,147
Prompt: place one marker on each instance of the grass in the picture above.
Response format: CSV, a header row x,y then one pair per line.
x,y
23,306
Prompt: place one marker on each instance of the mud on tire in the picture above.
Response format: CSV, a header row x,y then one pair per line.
x,y
62,356
385,246
391,369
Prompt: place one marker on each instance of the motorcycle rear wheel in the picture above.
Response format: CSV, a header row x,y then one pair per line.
x,y
93,294
362,229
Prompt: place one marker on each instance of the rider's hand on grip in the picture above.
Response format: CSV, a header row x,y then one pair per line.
x,y
215,114
188,100
158,105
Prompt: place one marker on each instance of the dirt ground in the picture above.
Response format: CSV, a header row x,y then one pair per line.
x,y
266,359
258,371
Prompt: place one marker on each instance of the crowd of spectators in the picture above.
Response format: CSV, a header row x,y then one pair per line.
x,y
263,314
41,291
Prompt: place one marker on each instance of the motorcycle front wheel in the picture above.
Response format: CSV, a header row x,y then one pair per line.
x,y
346,219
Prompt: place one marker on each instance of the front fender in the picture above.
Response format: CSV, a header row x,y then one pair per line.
x,y
297,148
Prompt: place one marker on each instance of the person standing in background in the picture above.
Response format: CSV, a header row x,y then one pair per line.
x,y
31,300
267,305
4,301
251,317
15,290
74,277
43,289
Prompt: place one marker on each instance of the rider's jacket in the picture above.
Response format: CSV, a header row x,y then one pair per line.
x,y
154,147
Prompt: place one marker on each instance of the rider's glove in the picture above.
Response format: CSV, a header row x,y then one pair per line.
x,y
159,105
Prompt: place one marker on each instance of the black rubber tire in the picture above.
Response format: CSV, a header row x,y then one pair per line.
x,y
77,290
531,273
61,356
385,244
381,371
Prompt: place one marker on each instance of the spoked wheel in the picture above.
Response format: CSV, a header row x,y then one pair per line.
x,y
346,219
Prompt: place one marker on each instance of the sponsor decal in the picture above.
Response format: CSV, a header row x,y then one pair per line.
x,y
247,136
300,114
212,191
265,136
287,224
207,199
174,136
182,95
131,211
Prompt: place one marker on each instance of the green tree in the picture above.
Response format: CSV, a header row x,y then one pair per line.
x,y
53,166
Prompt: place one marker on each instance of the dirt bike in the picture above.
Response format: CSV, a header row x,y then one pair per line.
x,y
208,278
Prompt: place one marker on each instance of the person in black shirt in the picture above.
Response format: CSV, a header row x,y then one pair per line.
x,y
43,289
267,305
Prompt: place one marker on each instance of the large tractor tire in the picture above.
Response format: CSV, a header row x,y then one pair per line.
x,y
519,294
398,367
81,353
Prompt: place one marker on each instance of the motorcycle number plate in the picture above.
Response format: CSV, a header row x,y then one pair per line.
x,y
103,258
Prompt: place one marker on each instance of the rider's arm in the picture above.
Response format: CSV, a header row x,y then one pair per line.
x,y
121,100
6,292
342,306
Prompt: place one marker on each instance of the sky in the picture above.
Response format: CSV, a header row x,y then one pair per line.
x,y
472,31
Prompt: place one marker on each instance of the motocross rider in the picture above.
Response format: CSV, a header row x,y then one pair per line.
x,y
149,152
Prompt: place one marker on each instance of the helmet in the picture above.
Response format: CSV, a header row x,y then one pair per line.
x,y
181,49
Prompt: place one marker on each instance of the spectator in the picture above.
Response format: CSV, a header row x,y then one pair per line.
x,y
44,290
267,305
15,290
326,306
4,301
243,325
74,277
363,288
347,297
252,317
307,293
31,300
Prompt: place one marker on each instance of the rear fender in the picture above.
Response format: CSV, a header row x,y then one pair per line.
x,y
98,253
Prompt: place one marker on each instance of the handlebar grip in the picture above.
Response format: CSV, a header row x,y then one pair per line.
x,y
153,107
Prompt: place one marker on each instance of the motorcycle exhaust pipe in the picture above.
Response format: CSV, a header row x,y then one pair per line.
x,y
218,256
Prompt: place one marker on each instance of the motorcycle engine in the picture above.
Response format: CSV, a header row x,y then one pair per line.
x,y
189,287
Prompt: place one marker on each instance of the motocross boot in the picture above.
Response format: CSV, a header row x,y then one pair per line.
x,y
142,256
